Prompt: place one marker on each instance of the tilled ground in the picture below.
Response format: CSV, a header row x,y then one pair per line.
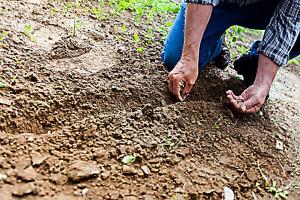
x,y
75,106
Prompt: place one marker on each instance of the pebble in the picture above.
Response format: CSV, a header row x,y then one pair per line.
x,y
127,170
279,145
29,174
228,194
105,175
5,102
81,170
23,189
37,158
140,172
146,170
3,177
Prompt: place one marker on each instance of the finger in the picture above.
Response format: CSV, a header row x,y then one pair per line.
x,y
170,84
252,105
234,103
186,90
231,95
176,89
253,109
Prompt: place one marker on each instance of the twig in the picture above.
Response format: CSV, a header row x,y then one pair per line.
x,y
262,174
283,170
254,196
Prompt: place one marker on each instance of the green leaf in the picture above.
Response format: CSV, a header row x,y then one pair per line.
x,y
136,38
2,84
128,159
169,24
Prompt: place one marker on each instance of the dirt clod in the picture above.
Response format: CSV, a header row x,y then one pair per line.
x,y
81,170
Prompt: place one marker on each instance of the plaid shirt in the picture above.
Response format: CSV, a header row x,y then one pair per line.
x,y
282,31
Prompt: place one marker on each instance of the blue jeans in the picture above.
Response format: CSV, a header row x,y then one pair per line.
x,y
256,16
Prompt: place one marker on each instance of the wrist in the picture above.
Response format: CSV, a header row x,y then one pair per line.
x,y
266,71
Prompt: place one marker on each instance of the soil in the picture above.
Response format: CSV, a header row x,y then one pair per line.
x,y
76,105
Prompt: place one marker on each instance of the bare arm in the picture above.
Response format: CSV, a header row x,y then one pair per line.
x,y
197,17
186,70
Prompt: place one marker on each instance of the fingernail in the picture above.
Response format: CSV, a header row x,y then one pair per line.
x,y
243,108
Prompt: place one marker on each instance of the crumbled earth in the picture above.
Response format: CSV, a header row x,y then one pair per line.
x,y
76,105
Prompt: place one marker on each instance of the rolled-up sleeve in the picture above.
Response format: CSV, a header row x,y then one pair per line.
x,y
282,32
204,2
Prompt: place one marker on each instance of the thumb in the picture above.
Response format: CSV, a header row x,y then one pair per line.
x,y
250,104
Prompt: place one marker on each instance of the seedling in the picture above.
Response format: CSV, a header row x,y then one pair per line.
x,y
124,28
129,159
3,84
278,192
136,41
3,37
271,186
54,11
99,12
170,140
169,143
28,32
74,25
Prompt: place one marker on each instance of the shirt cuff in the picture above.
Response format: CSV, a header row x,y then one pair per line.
x,y
204,2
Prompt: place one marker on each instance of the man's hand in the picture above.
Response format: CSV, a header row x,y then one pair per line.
x,y
182,78
251,100
184,75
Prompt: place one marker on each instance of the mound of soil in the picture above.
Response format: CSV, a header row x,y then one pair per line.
x,y
75,106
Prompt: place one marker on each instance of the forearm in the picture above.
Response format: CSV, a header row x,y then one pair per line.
x,y
197,17
266,71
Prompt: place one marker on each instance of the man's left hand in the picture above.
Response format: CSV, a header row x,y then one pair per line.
x,y
251,100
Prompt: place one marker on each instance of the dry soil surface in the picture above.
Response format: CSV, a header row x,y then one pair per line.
x,y
75,106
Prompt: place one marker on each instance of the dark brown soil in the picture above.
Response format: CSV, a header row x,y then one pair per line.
x,y
76,105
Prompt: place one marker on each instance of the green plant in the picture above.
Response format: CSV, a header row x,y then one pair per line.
x,y
3,84
129,159
271,187
136,41
28,32
99,11
123,28
3,37
170,142
74,24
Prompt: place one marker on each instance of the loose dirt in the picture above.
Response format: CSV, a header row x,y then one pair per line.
x,y
76,105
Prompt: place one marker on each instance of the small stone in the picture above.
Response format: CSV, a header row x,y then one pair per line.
x,y
130,198
3,177
32,77
148,197
4,101
251,175
82,192
181,122
105,175
146,170
228,194
81,170
58,179
2,161
37,158
182,152
127,170
29,174
85,191
140,172
279,145
163,102
23,189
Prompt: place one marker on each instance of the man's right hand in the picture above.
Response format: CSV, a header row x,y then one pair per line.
x,y
182,78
